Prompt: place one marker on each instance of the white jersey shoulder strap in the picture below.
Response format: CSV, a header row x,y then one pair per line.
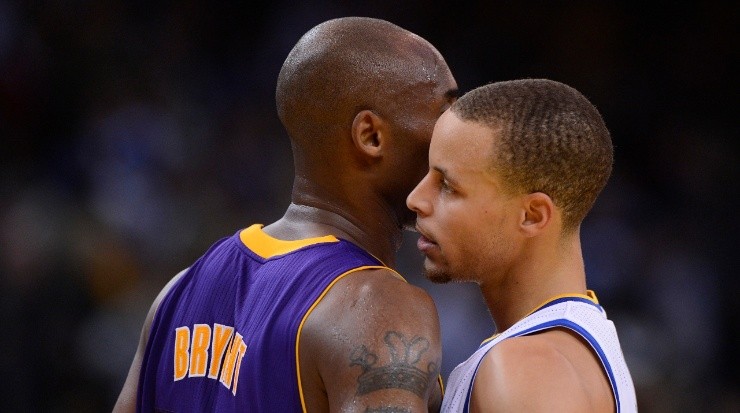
x,y
580,314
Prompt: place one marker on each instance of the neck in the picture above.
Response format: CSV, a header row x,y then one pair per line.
x,y
316,211
539,274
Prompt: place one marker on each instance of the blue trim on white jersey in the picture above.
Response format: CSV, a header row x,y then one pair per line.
x,y
470,389
553,324
583,333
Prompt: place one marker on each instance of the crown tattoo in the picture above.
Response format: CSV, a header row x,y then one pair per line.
x,y
400,372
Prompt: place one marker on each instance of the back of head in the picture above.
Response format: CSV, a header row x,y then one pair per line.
x,y
551,140
346,65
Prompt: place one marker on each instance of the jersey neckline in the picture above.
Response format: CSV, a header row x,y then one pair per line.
x,y
266,246
589,298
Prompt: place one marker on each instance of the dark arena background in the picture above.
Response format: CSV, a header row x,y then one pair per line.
x,y
136,133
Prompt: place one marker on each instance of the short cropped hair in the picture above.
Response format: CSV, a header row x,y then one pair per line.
x,y
551,140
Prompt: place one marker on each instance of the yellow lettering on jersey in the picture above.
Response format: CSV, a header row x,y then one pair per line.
x,y
221,336
242,350
199,350
182,343
227,372
191,355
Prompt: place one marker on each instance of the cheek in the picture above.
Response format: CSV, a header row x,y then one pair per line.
x,y
462,232
413,156
479,228
499,242
420,159
409,174
419,135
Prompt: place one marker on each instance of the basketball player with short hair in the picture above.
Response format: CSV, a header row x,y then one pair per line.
x,y
307,313
514,167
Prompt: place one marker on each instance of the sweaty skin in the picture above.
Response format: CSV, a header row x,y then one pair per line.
x,y
359,98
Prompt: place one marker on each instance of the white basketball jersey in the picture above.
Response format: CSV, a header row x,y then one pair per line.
x,y
578,313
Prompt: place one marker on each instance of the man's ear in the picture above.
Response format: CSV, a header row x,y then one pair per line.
x,y
538,213
368,134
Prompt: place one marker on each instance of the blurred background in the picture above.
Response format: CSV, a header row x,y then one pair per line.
x,y
136,133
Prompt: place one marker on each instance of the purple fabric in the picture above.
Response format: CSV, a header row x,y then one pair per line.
x,y
265,301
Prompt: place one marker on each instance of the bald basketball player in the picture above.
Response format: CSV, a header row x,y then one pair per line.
x,y
307,313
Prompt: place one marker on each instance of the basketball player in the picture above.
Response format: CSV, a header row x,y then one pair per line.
x,y
513,169
307,313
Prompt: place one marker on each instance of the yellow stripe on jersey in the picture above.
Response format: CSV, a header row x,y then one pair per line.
x,y
305,317
267,247
590,295
490,338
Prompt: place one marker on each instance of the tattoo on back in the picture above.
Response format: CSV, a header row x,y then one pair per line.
x,y
400,373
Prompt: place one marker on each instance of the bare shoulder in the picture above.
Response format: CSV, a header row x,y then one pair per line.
x,y
533,373
380,296
379,301
375,342
385,285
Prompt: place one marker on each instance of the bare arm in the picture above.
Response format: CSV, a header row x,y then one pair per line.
x,y
372,345
127,399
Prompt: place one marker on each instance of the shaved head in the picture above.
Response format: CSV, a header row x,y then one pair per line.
x,y
350,64
359,98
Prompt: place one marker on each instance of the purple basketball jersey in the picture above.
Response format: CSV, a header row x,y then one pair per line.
x,y
225,338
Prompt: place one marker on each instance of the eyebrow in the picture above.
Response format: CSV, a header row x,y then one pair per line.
x,y
446,175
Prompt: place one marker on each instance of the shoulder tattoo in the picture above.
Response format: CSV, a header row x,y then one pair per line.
x,y
401,372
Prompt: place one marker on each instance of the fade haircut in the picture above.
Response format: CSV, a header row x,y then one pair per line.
x,y
551,139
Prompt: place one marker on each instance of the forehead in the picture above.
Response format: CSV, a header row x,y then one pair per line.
x,y
459,144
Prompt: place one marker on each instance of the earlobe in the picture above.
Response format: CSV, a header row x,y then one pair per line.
x,y
367,133
537,213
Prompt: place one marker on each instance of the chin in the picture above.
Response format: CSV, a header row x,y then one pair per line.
x,y
437,276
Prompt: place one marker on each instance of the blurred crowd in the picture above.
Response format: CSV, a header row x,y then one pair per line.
x,y
135,134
